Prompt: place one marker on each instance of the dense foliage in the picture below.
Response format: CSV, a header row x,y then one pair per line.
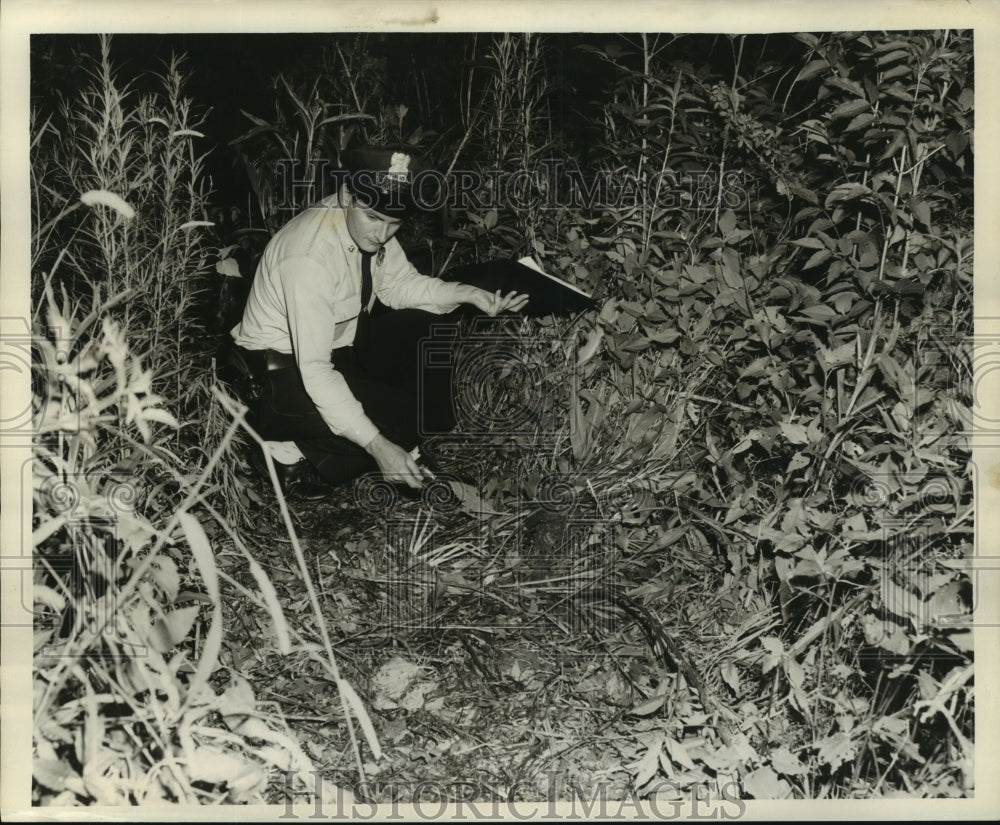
x,y
779,235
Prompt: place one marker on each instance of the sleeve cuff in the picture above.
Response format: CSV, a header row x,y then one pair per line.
x,y
362,433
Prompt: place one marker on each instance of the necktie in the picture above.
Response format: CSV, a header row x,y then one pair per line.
x,y
361,332
366,280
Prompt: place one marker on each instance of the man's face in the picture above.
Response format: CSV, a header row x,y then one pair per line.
x,y
369,229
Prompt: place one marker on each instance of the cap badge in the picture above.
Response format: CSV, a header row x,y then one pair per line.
x,y
399,166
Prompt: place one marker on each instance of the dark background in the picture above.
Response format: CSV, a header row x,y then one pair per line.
x,y
234,72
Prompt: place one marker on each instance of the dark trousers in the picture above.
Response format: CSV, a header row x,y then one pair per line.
x,y
385,373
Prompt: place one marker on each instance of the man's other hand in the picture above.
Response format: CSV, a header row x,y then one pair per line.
x,y
395,463
493,303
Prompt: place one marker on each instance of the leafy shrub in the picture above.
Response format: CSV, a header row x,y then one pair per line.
x,y
798,349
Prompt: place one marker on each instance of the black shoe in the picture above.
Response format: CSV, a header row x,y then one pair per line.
x,y
298,479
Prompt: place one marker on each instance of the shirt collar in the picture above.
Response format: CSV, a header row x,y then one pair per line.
x,y
339,222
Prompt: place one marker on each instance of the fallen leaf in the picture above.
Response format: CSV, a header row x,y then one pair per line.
x,y
649,706
173,628
784,761
392,680
238,699
646,767
52,773
470,500
835,750
414,699
679,755
730,676
764,783
215,765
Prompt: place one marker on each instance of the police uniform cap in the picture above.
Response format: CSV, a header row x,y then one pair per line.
x,y
381,177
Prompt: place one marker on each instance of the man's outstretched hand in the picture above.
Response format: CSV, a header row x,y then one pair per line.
x,y
395,463
492,303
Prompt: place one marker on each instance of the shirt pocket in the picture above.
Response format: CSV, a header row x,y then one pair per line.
x,y
345,314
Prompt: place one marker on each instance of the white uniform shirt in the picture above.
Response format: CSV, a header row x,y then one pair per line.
x,y
306,298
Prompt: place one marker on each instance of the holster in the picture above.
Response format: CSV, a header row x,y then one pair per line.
x,y
241,369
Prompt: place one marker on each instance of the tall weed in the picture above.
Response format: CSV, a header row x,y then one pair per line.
x,y
131,704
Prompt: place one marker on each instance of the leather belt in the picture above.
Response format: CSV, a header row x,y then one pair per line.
x,y
269,360
278,360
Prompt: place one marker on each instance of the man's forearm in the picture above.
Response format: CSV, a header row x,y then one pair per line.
x,y
463,293
342,412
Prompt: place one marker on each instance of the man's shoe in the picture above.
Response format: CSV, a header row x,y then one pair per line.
x,y
300,479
